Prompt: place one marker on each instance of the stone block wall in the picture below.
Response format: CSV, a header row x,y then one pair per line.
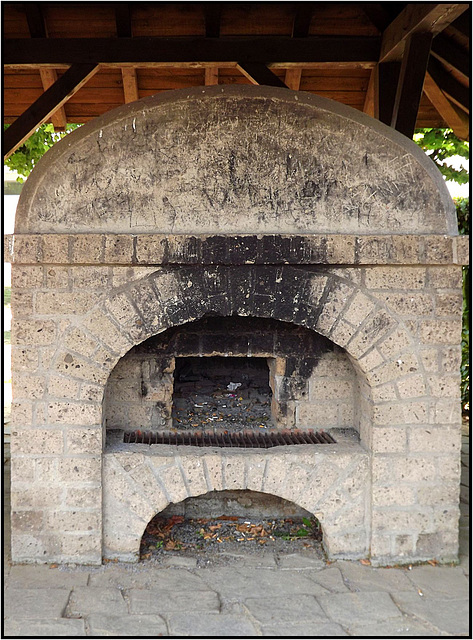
x,y
270,204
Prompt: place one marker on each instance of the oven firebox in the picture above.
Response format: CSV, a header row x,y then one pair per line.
x,y
266,245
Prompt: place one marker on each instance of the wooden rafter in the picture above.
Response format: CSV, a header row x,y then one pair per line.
x,y
455,118
302,19
410,83
211,76
128,51
417,18
445,50
65,87
124,30
258,73
456,92
37,29
212,15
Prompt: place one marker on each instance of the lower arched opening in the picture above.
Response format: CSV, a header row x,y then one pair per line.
x,y
220,526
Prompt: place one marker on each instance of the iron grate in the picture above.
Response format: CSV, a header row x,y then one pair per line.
x,y
240,439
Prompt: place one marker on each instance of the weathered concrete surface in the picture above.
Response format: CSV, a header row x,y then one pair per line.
x,y
224,159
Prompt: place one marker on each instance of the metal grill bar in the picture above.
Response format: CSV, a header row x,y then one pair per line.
x,y
240,440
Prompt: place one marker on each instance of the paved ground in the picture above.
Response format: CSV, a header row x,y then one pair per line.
x,y
251,595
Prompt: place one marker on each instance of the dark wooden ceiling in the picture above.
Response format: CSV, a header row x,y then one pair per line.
x,y
407,64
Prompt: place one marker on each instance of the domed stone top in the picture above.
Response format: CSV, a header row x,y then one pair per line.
x,y
235,160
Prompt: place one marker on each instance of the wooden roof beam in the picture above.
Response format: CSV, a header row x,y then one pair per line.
x,y
455,118
302,19
65,87
212,16
458,93
18,52
410,83
445,50
258,73
124,30
417,18
37,28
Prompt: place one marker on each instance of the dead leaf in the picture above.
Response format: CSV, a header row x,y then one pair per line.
x,y
365,562
434,563
53,566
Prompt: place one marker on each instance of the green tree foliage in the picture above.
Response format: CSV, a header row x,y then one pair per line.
x,y
441,144
28,155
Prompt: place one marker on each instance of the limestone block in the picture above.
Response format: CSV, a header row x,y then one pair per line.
x,y
74,413
27,249
255,471
274,476
450,359
21,303
146,479
316,415
446,411
388,440
438,249
91,393
83,498
444,386
27,521
119,249
36,496
397,520
150,249
74,521
342,333
80,469
126,315
55,248
84,440
64,302
101,325
397,469
37,547
213,465
341,249
444,494
173,483
87,247
404,545
61,387
445,277
33,332
24,358
326,389
398,495
119,486
434,439
26,277
441,544
85,548
76,367
26,386
57,277
411,387
194,474
22,469
333,307
404,278
37,441
95,277
359,308
233,471
80,342
375,327
405,364
462,246
384,392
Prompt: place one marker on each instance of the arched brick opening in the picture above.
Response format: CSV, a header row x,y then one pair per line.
x,y
335,307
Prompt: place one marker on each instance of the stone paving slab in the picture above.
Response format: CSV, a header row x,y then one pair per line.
x,y
31,604
246,583
330,579
450,616
407,627
289,609
304,629
353,608
163,601
358,577
210,625
28,576
127,626
49,628
87,600
144,577
448,582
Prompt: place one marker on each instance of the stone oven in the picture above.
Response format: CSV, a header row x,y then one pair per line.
x,y
265,237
